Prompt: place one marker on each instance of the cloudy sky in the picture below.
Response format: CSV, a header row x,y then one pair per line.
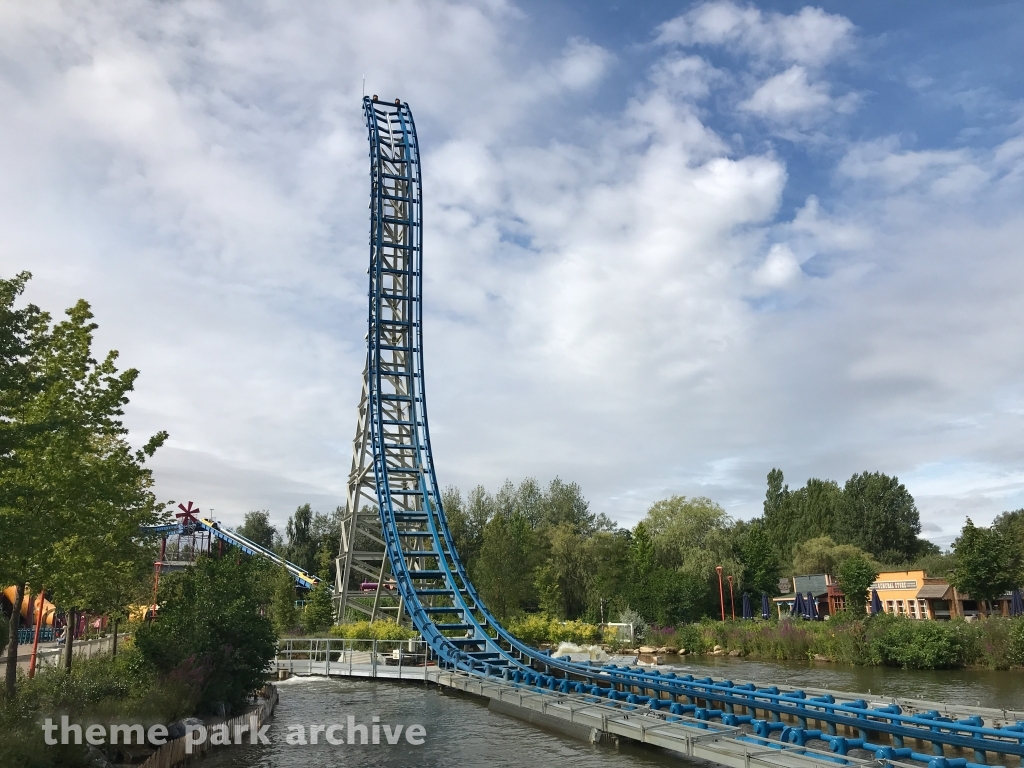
x,y
667,248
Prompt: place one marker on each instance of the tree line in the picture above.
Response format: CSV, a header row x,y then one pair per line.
x,y
531,548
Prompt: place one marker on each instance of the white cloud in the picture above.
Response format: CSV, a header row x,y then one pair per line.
x,y
787,94
944,171
780,267
810,37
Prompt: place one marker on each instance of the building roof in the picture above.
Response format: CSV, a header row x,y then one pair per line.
x,y
934,592
816,583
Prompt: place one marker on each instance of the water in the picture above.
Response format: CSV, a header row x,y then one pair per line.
x,y
461,731
969,687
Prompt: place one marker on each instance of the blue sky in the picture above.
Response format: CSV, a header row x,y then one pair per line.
x,y
669,246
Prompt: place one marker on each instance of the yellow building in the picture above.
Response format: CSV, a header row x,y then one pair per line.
x,y
913,594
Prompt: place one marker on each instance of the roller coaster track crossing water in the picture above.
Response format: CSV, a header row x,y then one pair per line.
x,y
395,532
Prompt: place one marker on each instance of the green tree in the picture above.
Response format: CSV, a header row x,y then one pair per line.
x,y
73,489
283,614
564,578
319,613
938,564
823,555
795,516
210,616
607,552
564,504
505,567
987,563
257,529
879,515
301,547
761,568
1011,525
856,574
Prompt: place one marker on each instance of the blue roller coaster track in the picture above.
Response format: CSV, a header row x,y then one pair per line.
x,y
438,596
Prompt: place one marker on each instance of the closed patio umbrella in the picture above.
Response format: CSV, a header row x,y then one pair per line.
x,y
747,612
1017,603
766,609
798,605
876,604
812,607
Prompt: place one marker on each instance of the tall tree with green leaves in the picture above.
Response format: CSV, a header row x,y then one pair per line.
x,y
257,528
856,574
987,563
1011,525
505,567
74,489
319,612
879,515
761,568
564,578
283,614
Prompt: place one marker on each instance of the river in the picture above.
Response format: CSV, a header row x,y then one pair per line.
x,y
461,731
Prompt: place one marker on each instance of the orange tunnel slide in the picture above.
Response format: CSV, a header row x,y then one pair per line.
x,y
48,607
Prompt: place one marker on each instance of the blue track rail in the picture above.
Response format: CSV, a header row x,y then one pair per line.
x,y
441,601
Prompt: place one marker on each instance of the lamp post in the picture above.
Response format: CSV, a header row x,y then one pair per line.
x,y
721,594
732,599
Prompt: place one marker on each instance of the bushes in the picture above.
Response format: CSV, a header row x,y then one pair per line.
x,y
1015,649
537,628
209,628
378,630
901,642
103,689
884,640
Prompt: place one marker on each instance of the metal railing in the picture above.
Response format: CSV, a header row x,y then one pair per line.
x,y
353,657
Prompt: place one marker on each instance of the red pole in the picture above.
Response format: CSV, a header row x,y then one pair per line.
x,y
732,599
721,595
35,642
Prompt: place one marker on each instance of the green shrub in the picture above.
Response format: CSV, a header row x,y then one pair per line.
x,y
319,612
378,630
1016,642
209,629
537,628
897,641
531,628
689,637
102,689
